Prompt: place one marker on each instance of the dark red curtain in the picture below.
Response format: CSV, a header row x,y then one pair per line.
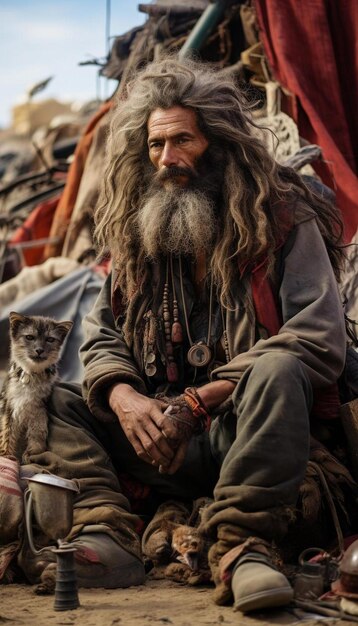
x,y
312,47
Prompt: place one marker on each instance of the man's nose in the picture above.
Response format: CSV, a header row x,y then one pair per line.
x,y
169,156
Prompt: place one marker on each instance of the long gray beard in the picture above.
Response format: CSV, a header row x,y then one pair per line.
x,y
179,221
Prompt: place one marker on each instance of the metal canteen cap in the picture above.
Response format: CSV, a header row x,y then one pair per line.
x,y
54,481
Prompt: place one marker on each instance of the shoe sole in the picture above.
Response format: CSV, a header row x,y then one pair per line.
x,y
265,600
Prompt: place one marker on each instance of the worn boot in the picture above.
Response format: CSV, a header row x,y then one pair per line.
x,y
102,562
99,562
257,584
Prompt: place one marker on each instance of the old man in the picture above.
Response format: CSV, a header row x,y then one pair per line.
x,y
210,341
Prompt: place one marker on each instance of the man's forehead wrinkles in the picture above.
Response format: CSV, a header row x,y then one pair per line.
x,y
161,118
167,126
174,119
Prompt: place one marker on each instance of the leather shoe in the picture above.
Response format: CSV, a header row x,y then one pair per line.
x,y
101,562
257,584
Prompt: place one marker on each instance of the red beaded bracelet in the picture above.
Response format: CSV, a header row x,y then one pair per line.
x,y
197,406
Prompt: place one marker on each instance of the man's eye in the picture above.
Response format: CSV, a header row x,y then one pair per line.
x,y
154,145
29,337
50,339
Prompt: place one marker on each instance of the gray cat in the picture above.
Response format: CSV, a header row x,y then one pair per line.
x,y
36,343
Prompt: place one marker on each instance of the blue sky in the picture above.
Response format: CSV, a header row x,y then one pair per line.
x,y
42,38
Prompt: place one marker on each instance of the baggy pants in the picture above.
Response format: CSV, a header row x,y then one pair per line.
x,y
253,459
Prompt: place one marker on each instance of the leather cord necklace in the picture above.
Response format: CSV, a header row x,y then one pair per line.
x,y
200,353
225,337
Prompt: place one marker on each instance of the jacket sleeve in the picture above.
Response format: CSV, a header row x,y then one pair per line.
x,y
313,327
105,356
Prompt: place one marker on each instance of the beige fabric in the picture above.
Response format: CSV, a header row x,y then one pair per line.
x,y
278,131
31,278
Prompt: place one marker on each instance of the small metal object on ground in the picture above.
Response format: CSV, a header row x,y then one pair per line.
x,y
324,608
66,596
50,497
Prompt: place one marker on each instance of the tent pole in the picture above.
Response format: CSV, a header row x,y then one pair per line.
x,y
202,29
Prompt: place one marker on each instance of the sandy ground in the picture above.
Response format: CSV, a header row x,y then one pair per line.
x,y
155,603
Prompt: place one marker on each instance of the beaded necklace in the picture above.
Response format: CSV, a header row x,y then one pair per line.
x,y
199,353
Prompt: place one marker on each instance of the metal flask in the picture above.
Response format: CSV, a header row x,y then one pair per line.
x,y
50,499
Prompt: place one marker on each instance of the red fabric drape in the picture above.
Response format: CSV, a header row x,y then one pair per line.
x,y
312,49
36,226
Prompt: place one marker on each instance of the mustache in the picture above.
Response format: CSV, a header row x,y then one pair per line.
x,y
173,171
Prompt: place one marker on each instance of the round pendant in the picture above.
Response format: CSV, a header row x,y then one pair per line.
x,y
150,357
199,355
150,369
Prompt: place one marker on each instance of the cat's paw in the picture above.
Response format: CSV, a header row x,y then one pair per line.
x,y
31,452
43,589
179,572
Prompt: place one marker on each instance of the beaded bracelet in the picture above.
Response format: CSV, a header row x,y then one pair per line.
x,y
198,407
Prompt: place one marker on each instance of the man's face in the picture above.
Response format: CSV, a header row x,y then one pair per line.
x,y
175,144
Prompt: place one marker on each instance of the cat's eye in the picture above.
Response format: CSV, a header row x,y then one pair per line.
x,y
29,337
50,339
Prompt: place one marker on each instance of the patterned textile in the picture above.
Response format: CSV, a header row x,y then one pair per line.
x,y
11,502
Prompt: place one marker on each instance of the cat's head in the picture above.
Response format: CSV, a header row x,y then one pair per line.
x,y
36,341
187,544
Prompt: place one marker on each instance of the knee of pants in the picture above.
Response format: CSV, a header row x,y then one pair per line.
x,y
278,364
278,371
64,395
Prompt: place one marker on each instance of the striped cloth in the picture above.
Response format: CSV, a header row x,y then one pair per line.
x,y
11,511
9,477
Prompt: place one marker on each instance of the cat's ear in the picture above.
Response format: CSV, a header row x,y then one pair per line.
x,y
64,327
16,319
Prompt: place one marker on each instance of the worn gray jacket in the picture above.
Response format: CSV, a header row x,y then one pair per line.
x,y
313,328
